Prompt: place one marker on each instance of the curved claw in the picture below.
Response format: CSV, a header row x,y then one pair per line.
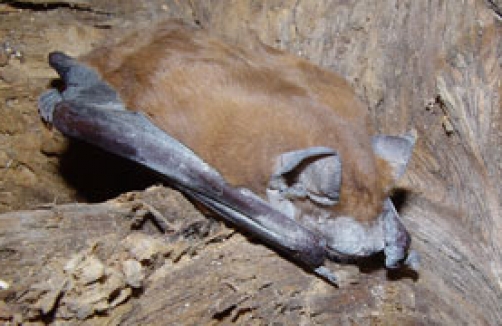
x,y
326,274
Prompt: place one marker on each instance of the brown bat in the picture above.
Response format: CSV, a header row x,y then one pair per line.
x,y
271,142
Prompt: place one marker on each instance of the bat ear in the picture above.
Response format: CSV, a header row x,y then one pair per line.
x,y
313,173
395,151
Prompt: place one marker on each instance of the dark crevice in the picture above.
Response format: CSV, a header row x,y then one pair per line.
x,y
400,197
97,175
220,315
49,6
241,312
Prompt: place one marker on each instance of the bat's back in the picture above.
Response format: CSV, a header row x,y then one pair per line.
x,y
240,109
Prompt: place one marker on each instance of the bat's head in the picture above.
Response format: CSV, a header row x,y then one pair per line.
x,y
347,237
316,195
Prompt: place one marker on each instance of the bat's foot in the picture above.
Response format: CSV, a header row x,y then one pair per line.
x,y
46,104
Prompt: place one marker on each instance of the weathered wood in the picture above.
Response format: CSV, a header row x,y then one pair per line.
x,y
64,263
431,65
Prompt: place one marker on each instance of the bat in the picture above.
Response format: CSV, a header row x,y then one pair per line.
x,y
272,143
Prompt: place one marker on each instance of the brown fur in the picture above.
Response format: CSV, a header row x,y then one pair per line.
x,y
239,109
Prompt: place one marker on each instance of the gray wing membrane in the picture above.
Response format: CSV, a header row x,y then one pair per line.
x,y
87,110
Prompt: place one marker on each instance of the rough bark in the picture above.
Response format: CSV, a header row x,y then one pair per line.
x,y
431,65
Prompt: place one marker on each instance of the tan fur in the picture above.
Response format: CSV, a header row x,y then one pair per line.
x,y
239,109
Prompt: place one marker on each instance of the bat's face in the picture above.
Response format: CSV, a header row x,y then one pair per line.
x,y
313,193
347,238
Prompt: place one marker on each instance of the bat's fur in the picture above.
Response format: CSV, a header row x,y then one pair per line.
x,y
240,109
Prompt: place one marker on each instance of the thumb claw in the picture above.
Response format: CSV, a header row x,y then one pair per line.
x,y
326,274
